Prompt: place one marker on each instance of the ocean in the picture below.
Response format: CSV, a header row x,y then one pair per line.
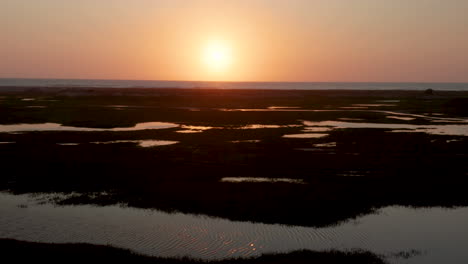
x,y
65,83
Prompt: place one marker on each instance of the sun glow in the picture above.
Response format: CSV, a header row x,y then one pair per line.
x,y
217,57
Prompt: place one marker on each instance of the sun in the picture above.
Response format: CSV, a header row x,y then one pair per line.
x,y
217,56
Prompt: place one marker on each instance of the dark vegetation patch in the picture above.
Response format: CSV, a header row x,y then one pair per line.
x,y
407,254
368,168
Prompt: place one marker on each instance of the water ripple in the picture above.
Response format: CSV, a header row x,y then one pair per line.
x,y
156,233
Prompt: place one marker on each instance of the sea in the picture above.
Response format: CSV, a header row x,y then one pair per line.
x,y
8,83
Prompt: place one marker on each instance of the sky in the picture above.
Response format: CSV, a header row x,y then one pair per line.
x,y
236,40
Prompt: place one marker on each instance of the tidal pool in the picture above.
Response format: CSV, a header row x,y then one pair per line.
x,y
326,145
199,129
59,127
316,129
194,129
359,108
354,107
388,101
189,131
306,135
438,235
36,106
426,116
117,106
373,105
259,179
147,143
404,118
350,119
246,141
274,109
452,129
283,107
260,126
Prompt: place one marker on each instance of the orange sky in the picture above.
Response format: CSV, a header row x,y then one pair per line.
x,y
254,40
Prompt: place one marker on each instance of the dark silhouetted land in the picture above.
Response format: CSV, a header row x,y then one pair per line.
x,y
367,169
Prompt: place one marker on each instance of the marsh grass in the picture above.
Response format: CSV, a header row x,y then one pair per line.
x,y
413,169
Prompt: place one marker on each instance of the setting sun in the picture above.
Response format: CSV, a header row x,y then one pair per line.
x,y
217,57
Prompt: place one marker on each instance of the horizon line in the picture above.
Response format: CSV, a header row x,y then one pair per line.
x,y
156,80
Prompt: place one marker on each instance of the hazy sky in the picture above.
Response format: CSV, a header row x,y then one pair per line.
x,y
237,40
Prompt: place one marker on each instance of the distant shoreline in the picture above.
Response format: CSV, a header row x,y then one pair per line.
x,y
307,86
260,94
257,95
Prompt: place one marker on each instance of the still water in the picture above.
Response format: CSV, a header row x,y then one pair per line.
x,y
261,179
453,130
59,127
141,143
437,235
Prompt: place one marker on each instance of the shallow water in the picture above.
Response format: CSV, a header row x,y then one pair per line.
x,y
440,235
194,129
283,107
142,143
326,145
259,179
350,119
434,117
388,101
401,118
117,106
59,127
317,129
246,141
260,126
140,126
36,106
189,131
354,107
199,129
354,173
373,105
317,149
269,109
306,135
427,116
453,130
